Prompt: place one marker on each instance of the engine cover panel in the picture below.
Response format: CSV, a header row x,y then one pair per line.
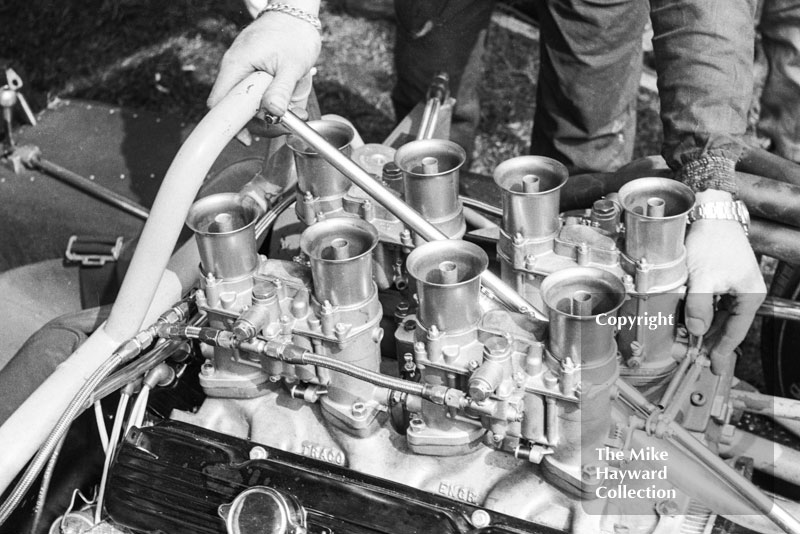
x,y
172,477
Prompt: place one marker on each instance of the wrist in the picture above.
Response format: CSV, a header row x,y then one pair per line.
x,y
309,6
709,172
713,195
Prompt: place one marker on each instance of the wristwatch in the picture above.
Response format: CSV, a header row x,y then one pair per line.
x,y
729,211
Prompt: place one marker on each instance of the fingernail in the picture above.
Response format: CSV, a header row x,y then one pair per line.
x,y
277,106
244,137
696,327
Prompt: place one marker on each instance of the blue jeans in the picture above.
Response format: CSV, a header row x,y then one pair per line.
x,y
780,101
590,69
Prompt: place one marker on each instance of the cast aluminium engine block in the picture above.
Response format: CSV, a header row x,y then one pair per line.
x,y
530,422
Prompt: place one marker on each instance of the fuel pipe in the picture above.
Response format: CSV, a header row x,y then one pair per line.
x,y
491,282
294,354
126,352
744,487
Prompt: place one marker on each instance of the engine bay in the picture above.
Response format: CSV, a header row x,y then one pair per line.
x,y
365,374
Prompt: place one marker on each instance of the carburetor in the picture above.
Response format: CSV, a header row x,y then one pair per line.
x,y
500,403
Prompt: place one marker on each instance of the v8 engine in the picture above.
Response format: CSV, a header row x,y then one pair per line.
x,y
371,383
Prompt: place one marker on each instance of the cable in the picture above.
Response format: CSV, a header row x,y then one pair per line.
x,y
101,425
115,434
126,352
45,487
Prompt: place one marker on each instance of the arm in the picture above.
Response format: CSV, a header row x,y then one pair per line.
x,y
279,44
704,56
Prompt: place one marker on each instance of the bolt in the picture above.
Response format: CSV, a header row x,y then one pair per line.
x,y
698,398
668,507
498,438
258,453
480,519
207,369
416,424
340,329
530,262
402,309
496,346
473,364
589,472
635,362
519,378
636,349
550,380
359,409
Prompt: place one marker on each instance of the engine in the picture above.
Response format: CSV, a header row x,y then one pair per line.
x,y
381,356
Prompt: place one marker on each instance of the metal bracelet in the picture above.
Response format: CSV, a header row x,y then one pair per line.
x,y
294,12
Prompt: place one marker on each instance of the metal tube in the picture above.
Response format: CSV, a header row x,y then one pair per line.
x,y
675,381
768,457
94,189
758,161
779,308
775,240
768,405
744,487
429,119
502,291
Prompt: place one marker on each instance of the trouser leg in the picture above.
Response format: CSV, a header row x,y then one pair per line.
x,y
704,58
435,36
780,100
590,68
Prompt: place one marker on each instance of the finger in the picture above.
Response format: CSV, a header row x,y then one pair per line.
x,y
279,93
302,90
699,305
231,72
734,330
244,137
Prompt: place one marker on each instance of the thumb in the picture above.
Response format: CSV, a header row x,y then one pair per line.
x,y
699,305
279,93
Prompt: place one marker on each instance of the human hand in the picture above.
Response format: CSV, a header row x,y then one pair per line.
x,y
280,45
721,262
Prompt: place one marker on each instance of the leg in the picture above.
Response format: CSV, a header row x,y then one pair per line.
x,y
591,61
435,36
704,58
780,101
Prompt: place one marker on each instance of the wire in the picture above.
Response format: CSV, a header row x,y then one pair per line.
x,y
101,425
115,434
45,487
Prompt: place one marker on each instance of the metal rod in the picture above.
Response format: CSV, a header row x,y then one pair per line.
x,y
775,407
779,308
92,188
502,291
746,489
429,119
